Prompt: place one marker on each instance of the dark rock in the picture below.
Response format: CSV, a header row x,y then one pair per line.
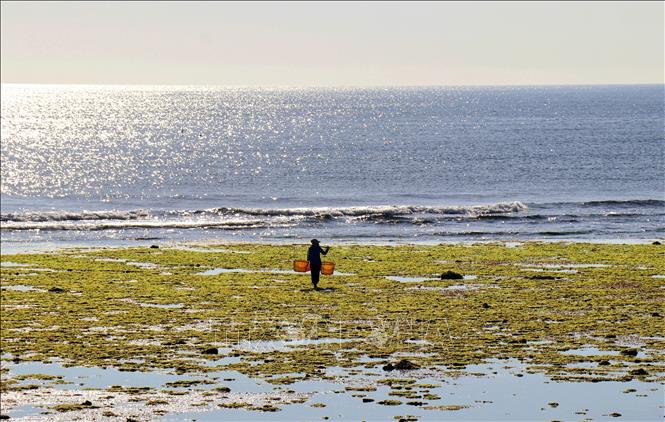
x,y
4,416
544,277
629,352
655,314
638,372
610,336
451,275
553,404
405,365
367,400
223,389
656,243
56,290
486,306
154,247
615,414
416,403
604,362
86,403
388,367
180,341
210,351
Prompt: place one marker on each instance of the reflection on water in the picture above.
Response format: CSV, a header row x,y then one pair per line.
x,y
498,390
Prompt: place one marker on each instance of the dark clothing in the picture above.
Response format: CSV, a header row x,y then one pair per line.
x,y
314,258
316,271
313,254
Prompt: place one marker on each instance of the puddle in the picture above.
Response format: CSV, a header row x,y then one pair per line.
x,y
152,305
262,346
550,270
593,351
452,288
13,264
144,265
409,279
421,279
80,383
217,271
22,288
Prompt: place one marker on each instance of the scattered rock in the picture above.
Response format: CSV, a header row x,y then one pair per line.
x,y
629,352
210,351
56,290
639,371
406,365
604,362
615,414
390,402
543,277
154,247
402,365
656,243
451,275
553,404
223,389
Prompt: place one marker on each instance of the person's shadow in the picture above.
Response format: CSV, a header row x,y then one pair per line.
x,y
321,290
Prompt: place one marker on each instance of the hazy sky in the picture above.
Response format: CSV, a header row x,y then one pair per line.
x,y
328,44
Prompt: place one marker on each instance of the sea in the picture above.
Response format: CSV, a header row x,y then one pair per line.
x,y
91,166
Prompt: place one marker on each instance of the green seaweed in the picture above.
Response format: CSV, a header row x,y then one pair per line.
x,y
108,312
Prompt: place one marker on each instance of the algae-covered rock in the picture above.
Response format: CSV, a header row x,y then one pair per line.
x,y
451,275
390,402
56,290
402,365
629,352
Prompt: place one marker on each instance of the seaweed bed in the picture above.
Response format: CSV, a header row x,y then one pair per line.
x,y
257,339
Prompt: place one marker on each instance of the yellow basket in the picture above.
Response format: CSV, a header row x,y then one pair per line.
x,y
300,266
327,268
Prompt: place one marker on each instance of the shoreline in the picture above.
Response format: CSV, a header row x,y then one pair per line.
x,y
47,248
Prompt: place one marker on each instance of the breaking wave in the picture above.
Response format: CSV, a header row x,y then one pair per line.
x,y
157,218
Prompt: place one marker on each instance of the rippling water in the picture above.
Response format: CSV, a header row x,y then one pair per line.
x,y
110,165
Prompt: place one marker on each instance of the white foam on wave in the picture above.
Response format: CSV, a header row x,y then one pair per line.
x,y
236,218
37,216
152,224
499,208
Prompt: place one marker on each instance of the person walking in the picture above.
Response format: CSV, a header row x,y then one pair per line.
x,y
314,257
